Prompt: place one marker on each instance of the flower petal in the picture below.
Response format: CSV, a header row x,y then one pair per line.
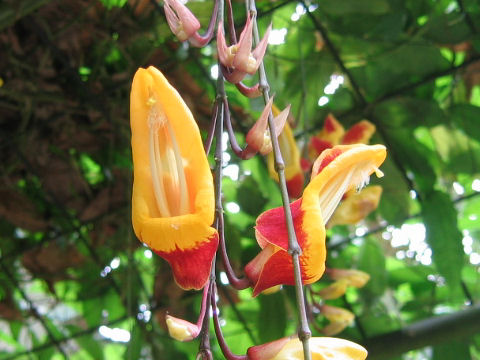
x,y
321,348
360,132
271,233
176,238
357,206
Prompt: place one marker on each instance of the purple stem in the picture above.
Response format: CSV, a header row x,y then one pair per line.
x,y
244,154
237,283
204,352
202,40
211,130
203,309
218,331
249,91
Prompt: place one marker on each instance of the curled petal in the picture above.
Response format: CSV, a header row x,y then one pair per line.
x,y
180,329
260,50
224,53
357,206
321,348
173,198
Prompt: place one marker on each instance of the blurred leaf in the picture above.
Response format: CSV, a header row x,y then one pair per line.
x,y
372,261
272,319
443,236
395,201
91,346
355,6
451,350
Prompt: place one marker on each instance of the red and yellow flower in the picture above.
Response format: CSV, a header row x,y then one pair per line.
x,y
333,133
336,171
173,195
291,157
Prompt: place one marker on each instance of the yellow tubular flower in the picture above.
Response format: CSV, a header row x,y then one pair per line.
x,y
173,196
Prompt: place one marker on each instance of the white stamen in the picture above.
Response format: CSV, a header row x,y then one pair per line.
x,y
171,163
378,172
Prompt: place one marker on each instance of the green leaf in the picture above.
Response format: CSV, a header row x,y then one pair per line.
x,y
272,319
343,7
451,350
466,118
395,201
447,28
443,236
372,261
91,346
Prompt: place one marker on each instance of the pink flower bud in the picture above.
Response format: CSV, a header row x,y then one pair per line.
x,y
239,58
259,136
181,330
181,20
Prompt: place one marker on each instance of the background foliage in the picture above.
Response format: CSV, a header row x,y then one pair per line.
x,y
74,281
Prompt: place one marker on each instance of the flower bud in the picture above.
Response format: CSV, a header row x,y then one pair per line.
x,y
181,330
353,277
181,20
334,291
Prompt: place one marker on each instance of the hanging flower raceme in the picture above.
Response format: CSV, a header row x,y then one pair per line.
x,y
258,138
333,133
239,59
291,157
173,196
336,171
321,348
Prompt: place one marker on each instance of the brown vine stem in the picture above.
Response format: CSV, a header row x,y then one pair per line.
x,y
294,249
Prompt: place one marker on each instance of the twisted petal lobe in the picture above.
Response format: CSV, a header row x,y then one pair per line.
x,y
356,206
321,348
173,198
336,171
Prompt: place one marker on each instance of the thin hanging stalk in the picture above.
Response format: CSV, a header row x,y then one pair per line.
x,y
294,249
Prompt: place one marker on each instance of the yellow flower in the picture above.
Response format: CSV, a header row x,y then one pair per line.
x,y
173,196
321,348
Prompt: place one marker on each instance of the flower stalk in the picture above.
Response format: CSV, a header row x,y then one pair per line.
x,y
295,251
